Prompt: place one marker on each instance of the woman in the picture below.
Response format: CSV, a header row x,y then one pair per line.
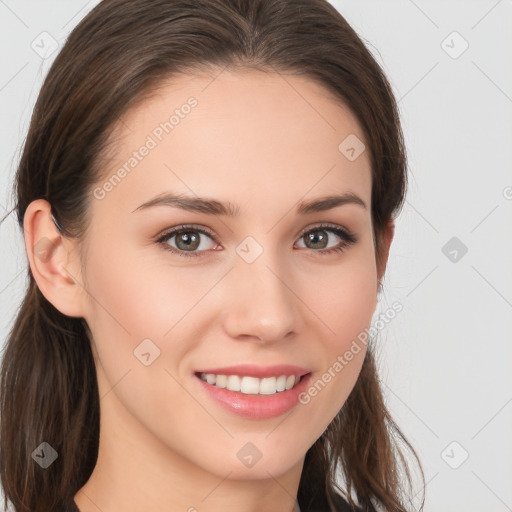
x,y
207,193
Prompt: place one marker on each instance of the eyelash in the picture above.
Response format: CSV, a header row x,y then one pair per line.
x,y
347,239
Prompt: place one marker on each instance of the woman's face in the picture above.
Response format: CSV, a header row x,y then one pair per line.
x,y
258,287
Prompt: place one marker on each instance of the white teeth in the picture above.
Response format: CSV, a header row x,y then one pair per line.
x,y
234,382
222,381
251,385
268,385
281,383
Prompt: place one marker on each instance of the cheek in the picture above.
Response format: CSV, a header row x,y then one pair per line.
x,y
345,306
137,297
134,299
343,297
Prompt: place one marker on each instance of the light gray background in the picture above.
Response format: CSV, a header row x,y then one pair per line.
x,y
446,358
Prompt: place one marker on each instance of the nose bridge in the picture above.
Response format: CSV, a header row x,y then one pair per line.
x,y
263,304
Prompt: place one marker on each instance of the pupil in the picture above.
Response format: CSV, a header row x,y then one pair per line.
x,y
188,240
315,238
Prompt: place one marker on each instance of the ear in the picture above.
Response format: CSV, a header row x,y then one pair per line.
x,y
53,259
386,238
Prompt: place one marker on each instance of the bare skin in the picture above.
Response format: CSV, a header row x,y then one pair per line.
x,y
263,143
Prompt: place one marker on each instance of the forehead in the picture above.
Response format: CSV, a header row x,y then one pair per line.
x,y
255,135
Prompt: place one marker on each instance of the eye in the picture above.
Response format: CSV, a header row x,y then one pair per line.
x,y
318,237
188,239
189,244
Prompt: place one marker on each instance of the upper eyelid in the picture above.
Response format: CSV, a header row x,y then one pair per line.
x,y
171,232
166,233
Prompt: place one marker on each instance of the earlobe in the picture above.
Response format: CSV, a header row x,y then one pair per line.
x,y
52,261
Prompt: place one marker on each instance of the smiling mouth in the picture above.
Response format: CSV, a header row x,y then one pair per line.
x,y
252,385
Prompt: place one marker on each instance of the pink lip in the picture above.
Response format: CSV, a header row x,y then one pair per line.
x,y
251,370
256,406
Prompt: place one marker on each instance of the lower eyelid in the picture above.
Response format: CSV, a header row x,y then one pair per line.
x,y
347,239
173,233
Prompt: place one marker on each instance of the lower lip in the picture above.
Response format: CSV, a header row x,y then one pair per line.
x,y
256,406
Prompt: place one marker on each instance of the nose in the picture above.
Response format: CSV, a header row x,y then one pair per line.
x,y
263,306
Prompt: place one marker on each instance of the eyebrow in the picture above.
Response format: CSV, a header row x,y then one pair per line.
x,y
214,207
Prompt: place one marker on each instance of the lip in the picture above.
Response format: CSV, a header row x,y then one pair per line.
x,y
255,407
252,370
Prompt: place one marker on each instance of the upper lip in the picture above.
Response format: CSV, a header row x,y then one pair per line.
x,y
251,370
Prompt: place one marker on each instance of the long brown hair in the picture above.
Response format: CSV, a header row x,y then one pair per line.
x,y
119,53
